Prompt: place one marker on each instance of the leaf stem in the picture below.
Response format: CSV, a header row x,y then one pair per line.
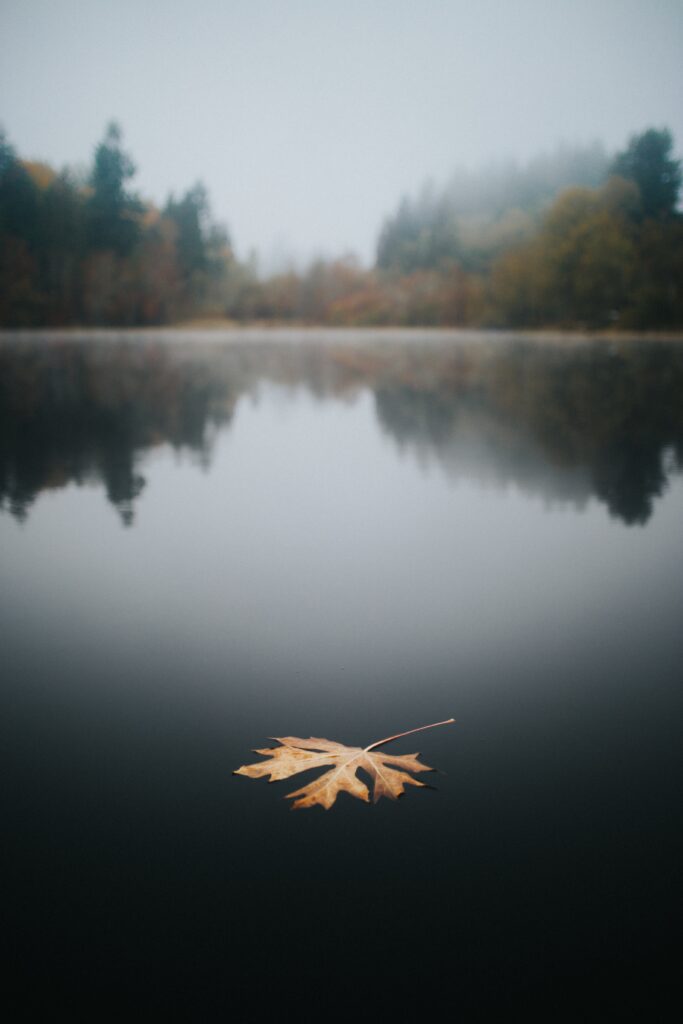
x,y
398,735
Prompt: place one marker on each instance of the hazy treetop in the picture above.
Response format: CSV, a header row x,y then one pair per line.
x,y
307,120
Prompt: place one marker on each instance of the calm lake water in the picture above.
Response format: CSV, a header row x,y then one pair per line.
x,y
206,541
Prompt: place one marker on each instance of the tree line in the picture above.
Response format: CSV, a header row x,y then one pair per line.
x,y
576,239
87,250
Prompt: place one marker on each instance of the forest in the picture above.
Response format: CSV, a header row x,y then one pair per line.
x,y
575,240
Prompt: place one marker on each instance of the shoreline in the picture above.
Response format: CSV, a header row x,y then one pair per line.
x,y
287,333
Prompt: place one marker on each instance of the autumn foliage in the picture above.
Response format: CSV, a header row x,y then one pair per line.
x,y
389,773
86,250
575,241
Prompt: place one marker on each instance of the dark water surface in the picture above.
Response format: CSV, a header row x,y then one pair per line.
x,y
204,543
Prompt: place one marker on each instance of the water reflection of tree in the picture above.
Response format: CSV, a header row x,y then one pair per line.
x,y
75,413
590,419
564,421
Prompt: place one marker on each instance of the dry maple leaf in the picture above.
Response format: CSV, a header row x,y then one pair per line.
x,y
294,755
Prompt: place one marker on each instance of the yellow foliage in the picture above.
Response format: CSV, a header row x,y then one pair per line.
x,y
41,174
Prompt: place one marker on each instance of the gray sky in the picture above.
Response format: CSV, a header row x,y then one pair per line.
x,y
307,119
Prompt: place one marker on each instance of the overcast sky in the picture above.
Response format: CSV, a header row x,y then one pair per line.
x,y
307,119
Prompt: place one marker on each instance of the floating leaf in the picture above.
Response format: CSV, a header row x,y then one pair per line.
x,y
388,772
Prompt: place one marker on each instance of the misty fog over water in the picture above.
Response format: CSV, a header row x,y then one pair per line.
x,y
213,540
341,396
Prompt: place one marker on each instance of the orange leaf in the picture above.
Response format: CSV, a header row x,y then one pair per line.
x,y
389,773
